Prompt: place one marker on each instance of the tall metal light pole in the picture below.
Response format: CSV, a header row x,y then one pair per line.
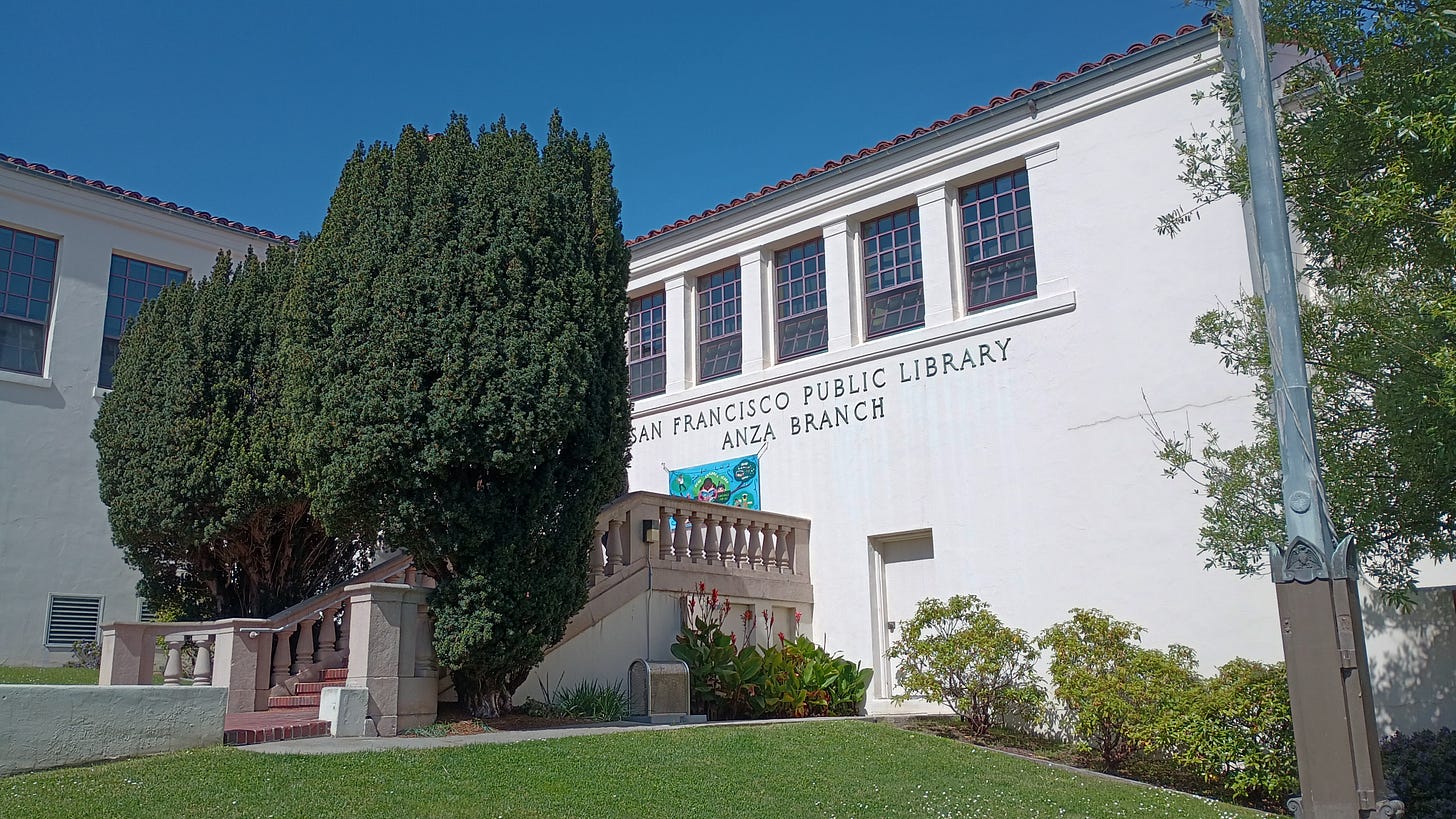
x,y
1319,607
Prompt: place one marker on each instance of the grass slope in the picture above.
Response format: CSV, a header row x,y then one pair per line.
x,y
30,675
829,769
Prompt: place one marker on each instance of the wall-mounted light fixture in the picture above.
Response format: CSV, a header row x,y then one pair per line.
x,y
649,531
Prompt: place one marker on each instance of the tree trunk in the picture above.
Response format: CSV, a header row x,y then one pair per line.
x,y
481,698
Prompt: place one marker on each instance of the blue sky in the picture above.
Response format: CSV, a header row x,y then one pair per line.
x,y
248,110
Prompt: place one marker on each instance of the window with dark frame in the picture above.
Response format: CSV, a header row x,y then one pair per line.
x,y
720,325
996,234
801,312
647,345
27,288
894,294
132,283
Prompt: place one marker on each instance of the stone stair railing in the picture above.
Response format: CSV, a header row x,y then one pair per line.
x,y
377,625
643,527
251,657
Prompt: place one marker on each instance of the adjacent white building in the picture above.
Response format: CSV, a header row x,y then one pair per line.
x,y
77,258
942,350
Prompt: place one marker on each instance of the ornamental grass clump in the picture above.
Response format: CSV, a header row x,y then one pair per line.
x,y
960,654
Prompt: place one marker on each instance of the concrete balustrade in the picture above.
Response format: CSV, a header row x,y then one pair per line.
x,y
248,656
696,533
378,625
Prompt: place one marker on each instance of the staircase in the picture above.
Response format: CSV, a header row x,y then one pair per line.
x,y
648,552
288,717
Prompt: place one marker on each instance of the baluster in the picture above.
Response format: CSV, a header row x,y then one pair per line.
x,y
282,655
770,550
202,666
713,539
695,549
781,547
614,546
172,674
727,534
755,544
740,544
790,549
327,636
409,576
303,653
341,643
424,644
680,536
664,533
598,555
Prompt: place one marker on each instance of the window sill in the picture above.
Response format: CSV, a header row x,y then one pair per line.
x,y
25,378
100,392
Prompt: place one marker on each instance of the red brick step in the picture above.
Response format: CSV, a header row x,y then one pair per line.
x,y
272,726
295,701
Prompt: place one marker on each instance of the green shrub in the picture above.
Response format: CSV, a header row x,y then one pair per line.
x,y
795,678
960,654
85,654
595,701
1236,732
1420,769
1115,691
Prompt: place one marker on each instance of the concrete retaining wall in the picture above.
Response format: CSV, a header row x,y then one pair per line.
x,y
48,726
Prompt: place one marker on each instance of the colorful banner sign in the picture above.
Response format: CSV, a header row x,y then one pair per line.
x,y
732,483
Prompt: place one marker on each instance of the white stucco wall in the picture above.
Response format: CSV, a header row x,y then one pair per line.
x,y
1412,659
1034,471
48,726
54,538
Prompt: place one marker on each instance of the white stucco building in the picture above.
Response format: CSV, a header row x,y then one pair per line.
x,y
944,351
941,350
77,257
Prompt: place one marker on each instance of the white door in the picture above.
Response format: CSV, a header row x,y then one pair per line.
x,y
908,575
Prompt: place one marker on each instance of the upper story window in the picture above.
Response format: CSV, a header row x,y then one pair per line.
x,y
894,296
647,345
132,282
27,285
720,326
803,320
996,230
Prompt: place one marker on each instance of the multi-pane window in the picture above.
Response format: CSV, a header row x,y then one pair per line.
x,y
647,345
803,321
720,330
132,282
894,297
27,285
996,231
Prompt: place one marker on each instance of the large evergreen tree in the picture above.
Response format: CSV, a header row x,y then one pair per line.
x,y
460,377
201,491
1369,148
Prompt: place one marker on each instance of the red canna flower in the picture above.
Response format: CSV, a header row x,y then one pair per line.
x,y
782,638
798,616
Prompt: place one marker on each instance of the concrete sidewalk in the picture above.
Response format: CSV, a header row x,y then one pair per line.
x,y
346,745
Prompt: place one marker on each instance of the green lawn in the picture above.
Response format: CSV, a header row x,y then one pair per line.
x,y
829,769
28,675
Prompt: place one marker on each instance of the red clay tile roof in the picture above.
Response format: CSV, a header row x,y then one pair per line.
x,y
935,126
201,215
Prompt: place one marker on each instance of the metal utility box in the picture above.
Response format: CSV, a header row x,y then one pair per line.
x,y
661,692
